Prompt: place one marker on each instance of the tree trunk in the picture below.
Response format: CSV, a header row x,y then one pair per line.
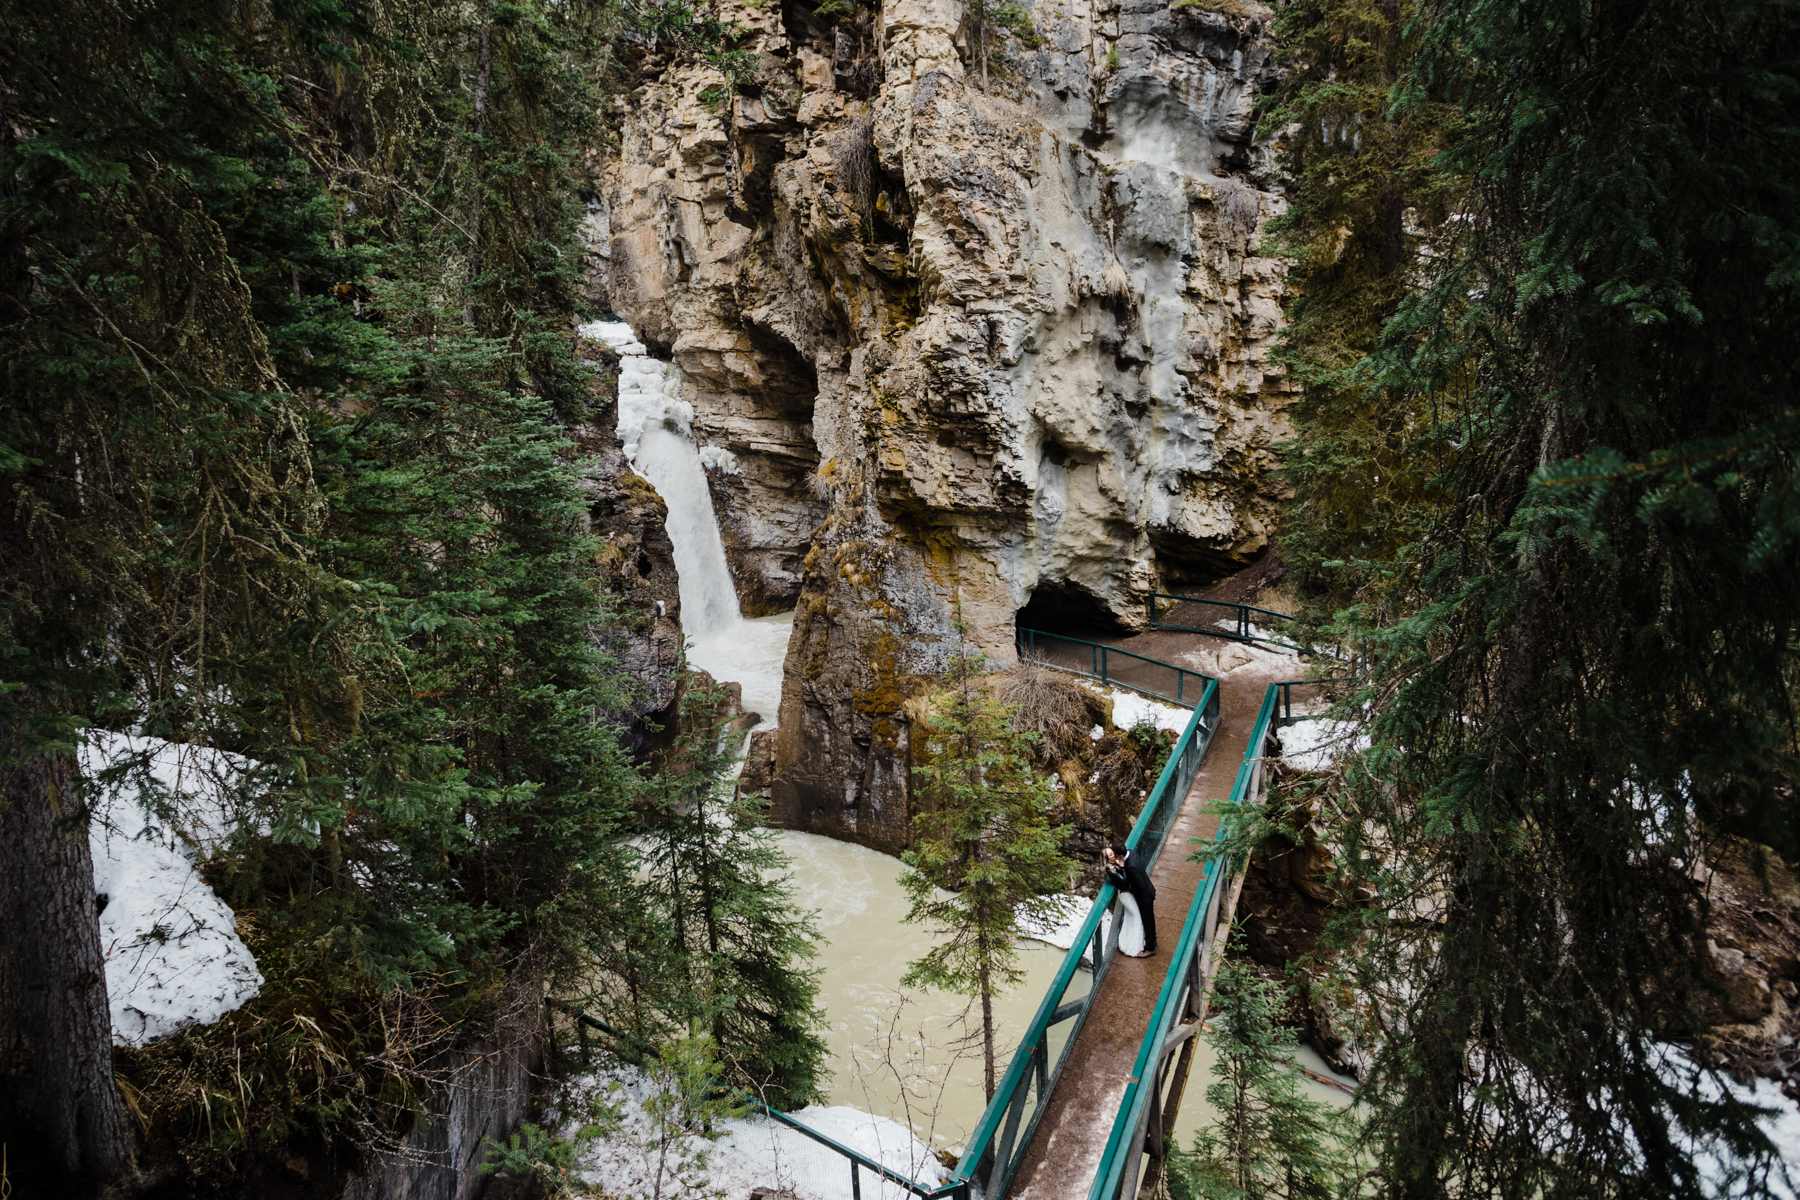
x,y
63,1121
484,72
987,1020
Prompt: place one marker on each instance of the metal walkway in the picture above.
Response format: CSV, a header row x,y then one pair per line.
x,y
1088,1095
1100,1119
1064,1158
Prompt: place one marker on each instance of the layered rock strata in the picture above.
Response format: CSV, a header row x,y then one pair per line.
x,y
955,345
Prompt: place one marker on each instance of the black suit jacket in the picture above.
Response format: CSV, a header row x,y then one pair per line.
x,y
1134,879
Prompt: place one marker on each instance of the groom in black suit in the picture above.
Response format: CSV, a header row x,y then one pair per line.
x,y
1125,871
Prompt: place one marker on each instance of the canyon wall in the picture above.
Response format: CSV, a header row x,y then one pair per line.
x,y
485,1093
958,346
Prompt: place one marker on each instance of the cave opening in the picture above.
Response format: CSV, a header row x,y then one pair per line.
x,y
1068,608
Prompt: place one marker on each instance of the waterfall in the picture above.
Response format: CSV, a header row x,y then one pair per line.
x,y
656,428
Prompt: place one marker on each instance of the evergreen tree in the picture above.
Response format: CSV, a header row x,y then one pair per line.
x,y
1367,201
741,953
1577,659
286,296
158,500
985,20
1268,1139
984,851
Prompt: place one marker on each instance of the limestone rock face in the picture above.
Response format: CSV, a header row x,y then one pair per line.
x,y
635,562
955,345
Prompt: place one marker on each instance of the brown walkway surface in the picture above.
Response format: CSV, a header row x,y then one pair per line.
x,y
1066,1150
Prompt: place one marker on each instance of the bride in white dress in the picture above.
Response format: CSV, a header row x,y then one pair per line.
x,y
1131,926
1131,920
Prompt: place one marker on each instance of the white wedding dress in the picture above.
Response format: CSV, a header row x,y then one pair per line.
x,y
1131,926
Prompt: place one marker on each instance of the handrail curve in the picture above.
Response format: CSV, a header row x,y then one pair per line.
x,y
1242,625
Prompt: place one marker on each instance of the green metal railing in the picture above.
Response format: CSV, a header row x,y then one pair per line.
x,y
1002,1136
1111,665
629,1049
1005,1130
1180,1003
1220,618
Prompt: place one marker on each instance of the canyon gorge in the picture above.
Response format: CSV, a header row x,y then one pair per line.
x,y
967,326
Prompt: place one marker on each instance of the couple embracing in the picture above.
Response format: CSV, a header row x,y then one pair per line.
x,y
1137,900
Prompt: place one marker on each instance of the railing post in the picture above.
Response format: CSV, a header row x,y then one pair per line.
x,y
1103,665
1191,1010
855,1182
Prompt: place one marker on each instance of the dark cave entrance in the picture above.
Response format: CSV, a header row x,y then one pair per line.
x,y
1059,606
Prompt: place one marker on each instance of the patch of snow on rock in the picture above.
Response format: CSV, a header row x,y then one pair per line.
x,y
752,1152
173,956
1062,927
719,458
1228,658
1130,709
1314,743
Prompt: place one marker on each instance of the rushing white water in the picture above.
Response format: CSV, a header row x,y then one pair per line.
x,y
656,428
751,652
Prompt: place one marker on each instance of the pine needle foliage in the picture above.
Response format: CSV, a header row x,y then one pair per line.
x,y
286,297
1368,204
1268,1140
1575,655
984,851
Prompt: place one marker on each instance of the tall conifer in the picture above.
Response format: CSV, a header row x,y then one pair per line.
x,y
1576,658
984,851
741,966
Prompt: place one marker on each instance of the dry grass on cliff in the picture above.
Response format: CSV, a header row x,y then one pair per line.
x,y
853,153
1053,706
1242,10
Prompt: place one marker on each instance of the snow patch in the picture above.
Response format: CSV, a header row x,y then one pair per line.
x,y
1781,1125
190,796
1130,709
1062,925
173,956
1315,743
719,458
755,1151
1225,659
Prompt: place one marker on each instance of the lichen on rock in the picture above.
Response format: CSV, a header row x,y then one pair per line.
x,y
958,343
